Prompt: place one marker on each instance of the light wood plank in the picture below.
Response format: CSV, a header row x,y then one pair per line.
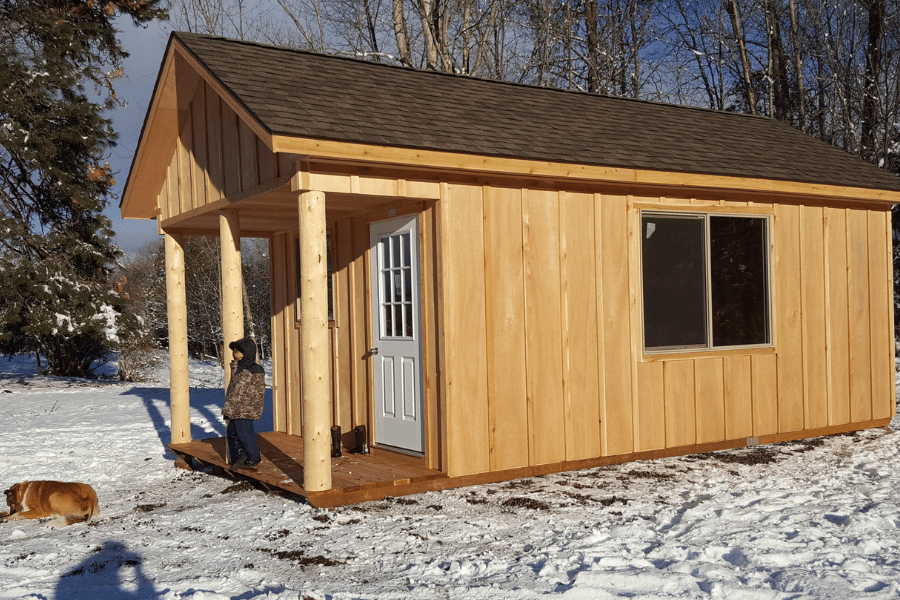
x,y
216,189
200,166
434,440
889,238
579,313
185,168
837,325
249,157
860,338
171,206
738,397
231,158
681,414
617,434
601,326
789,333
342,376
462,240
812,290
651,407
881,305
268,167
360,324
709,389
543,326
279,294
294,350
764,380
505,298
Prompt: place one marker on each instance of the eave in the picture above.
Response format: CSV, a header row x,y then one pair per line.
x,y
645,179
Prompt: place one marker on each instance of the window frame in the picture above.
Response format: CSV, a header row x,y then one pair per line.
x,y
709,347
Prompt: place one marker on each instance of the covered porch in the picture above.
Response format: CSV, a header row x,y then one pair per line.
x,y
321,373
354,477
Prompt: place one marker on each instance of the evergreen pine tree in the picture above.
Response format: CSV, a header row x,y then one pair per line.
x,y
56,251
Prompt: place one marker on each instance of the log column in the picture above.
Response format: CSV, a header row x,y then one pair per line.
x,y
176,299
315,372
232,304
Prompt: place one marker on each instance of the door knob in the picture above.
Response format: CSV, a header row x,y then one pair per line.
x,y
373,351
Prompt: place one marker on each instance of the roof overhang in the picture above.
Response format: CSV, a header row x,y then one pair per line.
x,y
617,176
176,84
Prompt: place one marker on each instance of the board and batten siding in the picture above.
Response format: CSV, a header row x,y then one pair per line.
x,y
216,156
542,331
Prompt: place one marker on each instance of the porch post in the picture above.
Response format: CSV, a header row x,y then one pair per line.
x,y
176,300
232,305
315,373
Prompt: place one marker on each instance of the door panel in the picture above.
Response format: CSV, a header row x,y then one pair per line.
x,y
397,352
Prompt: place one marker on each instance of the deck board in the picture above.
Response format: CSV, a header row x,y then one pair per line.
x,y
355,477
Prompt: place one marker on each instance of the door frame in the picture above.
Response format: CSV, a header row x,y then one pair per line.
x,y
392,226
432,355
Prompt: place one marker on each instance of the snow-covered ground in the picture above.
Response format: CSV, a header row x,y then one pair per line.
x,y
812,519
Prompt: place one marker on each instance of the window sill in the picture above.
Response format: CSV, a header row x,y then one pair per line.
x,y
696,354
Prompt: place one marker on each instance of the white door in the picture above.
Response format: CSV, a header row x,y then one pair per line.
x,y
397,349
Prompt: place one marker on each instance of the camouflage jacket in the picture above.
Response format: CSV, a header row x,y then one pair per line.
x,y
245,394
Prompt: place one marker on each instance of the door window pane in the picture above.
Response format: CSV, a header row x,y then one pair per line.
x,y
397,292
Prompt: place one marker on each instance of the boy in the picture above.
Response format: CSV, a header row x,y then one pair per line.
x,y
244,403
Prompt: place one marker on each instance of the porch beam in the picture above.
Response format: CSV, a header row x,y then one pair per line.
x,y
315,373
176,301
232,305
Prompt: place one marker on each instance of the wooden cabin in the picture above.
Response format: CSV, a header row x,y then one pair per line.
x,y
501,280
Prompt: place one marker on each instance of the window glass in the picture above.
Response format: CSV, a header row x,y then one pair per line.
x,y
738,275
674,281
705,281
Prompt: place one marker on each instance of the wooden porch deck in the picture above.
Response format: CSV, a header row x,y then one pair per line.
x,y
355,477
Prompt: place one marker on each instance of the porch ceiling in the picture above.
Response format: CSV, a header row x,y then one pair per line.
x,y
265,212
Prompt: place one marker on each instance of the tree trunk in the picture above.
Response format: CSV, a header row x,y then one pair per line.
x,y
798,58
781,90
400,34
593,46
734,12
431,50
875,34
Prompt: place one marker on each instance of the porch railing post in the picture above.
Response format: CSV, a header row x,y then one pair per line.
x,y
176,303
315,373
232,300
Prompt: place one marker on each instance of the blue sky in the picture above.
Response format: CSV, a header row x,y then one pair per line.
x,y
146,47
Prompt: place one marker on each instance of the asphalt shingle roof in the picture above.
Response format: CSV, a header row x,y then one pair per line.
x,y
296,93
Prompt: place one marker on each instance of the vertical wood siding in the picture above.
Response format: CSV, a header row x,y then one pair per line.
x,y
543,330
216,155
465,330
505,322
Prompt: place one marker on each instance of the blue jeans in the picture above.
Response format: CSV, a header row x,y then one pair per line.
x,y
242,440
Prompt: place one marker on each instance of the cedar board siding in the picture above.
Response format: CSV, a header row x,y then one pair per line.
x,y
543,351
216,156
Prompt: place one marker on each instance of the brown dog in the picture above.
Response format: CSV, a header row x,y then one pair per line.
x,y
74,502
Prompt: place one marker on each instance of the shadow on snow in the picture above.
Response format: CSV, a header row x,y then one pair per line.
x,y
207,402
